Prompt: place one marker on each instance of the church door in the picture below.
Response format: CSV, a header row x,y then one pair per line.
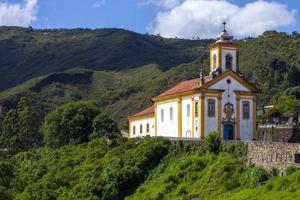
x,y
228,132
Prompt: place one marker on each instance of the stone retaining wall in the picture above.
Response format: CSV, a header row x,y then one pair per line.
x,y
273,154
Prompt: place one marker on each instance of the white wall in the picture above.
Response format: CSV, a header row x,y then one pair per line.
x,y
144,123
186,121
234,59
167,128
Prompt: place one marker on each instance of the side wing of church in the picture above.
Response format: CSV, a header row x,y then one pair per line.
x,y
222,101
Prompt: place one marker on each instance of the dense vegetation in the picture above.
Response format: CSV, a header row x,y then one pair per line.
x,y
149,168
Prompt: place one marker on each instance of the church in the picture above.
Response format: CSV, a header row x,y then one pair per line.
x,y
223,102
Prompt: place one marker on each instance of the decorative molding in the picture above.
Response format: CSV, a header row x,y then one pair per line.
x,y
179,111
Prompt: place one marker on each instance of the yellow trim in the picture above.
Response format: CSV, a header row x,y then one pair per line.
x,y
224,45
174,96
179,110
220,57
254,118
193,117
202,114
129,135
132,118
243,93
220,115
234,76
238,107
212,91
155,118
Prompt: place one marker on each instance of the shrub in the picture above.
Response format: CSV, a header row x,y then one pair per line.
x,y
258,175
291,169
212,143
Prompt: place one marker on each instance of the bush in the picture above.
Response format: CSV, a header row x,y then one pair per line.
x,y
212,143
257,176
291,169
77,122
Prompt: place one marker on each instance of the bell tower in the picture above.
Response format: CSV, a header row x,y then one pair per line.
x,y
224,54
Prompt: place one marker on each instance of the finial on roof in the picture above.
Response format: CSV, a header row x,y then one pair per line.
x,y
224,23
202,80
224,37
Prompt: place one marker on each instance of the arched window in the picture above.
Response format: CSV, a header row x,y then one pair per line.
x,y
148,128
133,130
246,109
211,107
214,61
228,61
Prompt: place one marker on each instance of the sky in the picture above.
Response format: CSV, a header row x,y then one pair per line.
x,y
169,18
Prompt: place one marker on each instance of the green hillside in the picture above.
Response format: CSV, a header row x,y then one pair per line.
x,y
272,60
119,93
147,169
26,53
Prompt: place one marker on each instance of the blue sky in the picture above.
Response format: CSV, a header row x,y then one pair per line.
x,y
170,18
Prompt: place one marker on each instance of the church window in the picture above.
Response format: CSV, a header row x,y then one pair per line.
x,y
211,107
141,129
246,109
214,61
196,109
188,110
228,61
171,113
162,115
148,128
133,130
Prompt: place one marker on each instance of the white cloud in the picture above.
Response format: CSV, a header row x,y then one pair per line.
x,y
203,18
167,4
18,14
99,3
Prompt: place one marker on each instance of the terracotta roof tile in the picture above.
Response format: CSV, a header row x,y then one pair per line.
x,y
184,86
147,111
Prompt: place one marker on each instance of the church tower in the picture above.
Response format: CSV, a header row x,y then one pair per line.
x,y
223,54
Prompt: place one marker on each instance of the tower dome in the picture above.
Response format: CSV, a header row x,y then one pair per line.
x,y
225,37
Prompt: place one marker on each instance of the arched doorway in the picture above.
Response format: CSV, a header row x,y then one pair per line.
x,y
228,132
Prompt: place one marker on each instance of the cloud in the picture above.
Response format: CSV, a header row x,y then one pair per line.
x,y
203,18
18,14
166,4
99,3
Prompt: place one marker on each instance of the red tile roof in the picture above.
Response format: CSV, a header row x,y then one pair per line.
x,y
184,86
147,111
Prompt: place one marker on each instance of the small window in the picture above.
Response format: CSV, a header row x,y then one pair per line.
x,y
171,113
188,110
211,107
162,115
297,158
246,109
133,130
214,61
196,108
148,128
228,61
141,129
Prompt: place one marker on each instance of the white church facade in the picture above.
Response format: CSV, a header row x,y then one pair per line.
x,y
223,102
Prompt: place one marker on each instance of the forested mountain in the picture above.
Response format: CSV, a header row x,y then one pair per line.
x,y
26,53
122,70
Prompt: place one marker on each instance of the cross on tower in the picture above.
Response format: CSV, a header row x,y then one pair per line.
x,y
224,23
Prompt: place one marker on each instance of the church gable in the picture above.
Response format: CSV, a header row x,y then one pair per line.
x,y
221,82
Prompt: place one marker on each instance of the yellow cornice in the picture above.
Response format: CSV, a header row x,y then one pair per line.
x,y
224,45
244,93
146,116
174,96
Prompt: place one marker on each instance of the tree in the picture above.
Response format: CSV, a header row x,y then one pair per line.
x,y
20,128
77,122
105,127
